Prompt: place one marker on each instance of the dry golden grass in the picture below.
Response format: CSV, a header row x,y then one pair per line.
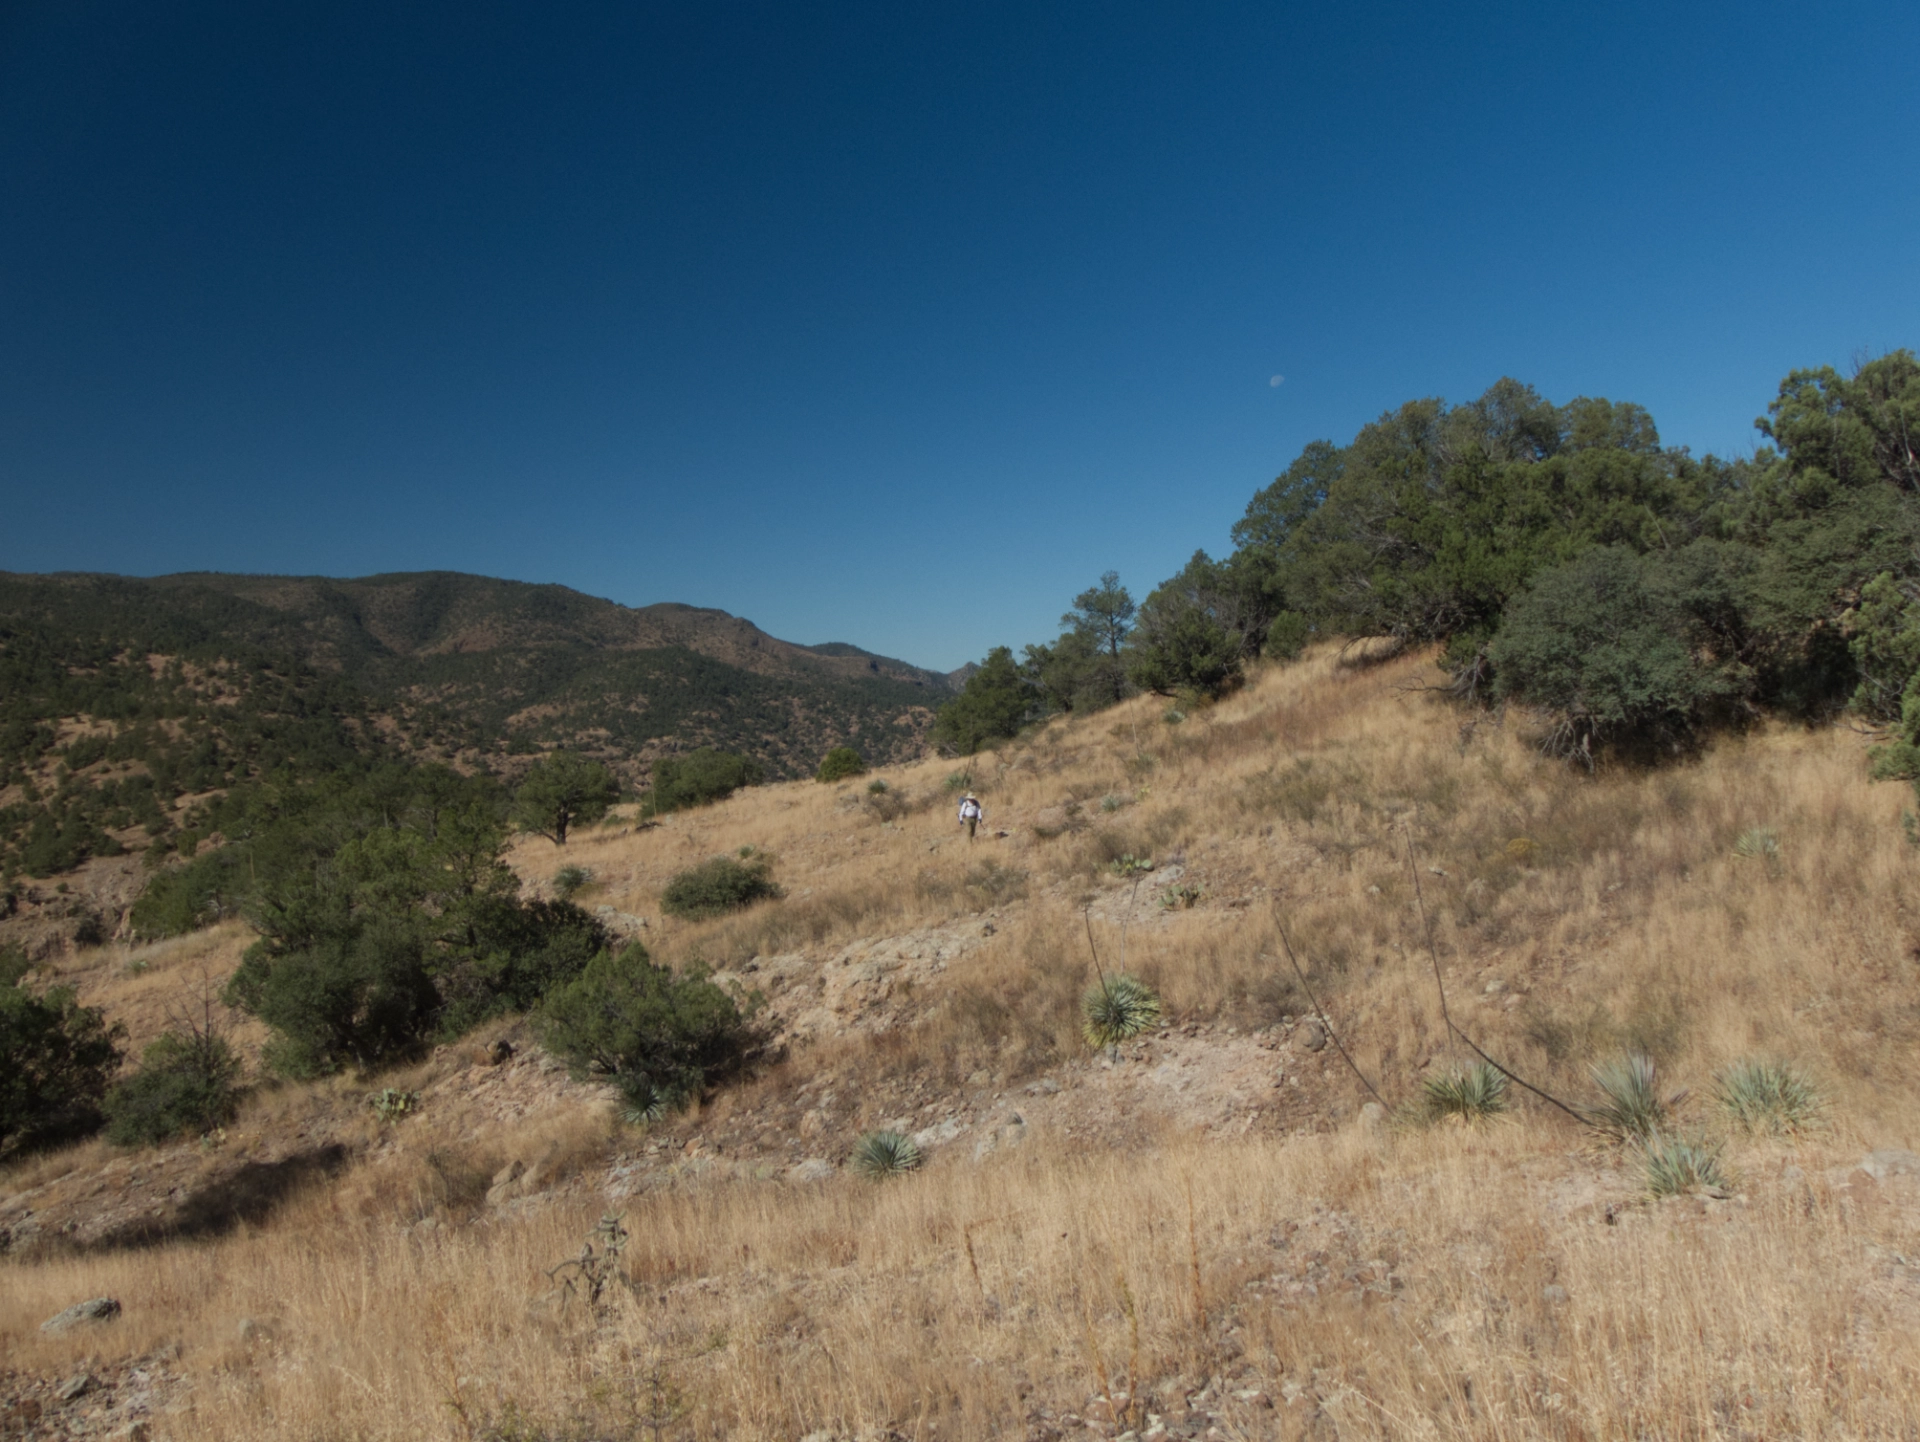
x,y
1458,1282
147,987
946,1303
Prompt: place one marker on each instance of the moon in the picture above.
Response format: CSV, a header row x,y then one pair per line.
x,y
1277,381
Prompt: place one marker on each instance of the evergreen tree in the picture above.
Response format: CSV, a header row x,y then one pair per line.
x,y
561,790
996,702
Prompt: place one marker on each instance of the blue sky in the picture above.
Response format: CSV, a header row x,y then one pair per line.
x,y
890,324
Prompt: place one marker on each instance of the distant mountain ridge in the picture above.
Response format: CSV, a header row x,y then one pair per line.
x,y
355,622
476,668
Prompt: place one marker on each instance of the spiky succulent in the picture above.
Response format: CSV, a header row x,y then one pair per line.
x,y
1675,1165
885,1154
1471,1094
1764,1096
1632,1109
646,1102
1118,1008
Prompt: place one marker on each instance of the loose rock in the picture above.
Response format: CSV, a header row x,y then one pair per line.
x,y
94,1309
75,1386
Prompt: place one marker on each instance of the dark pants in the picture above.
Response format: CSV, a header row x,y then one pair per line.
x,y
972,821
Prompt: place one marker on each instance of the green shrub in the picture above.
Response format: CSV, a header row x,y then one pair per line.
x,y
1619,647
1118,1008
515,953
698,779
1771,1097
386,916
1632,1110
361,994
718,886
885,1154
840,763
1675,1165
1472,1094
187,1083
568,881
658,1037
59,1058
877,787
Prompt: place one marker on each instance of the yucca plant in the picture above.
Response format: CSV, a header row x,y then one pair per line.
x,y
1675,1165
645,1102
1757,843
1632,1110
1118,1008
1472,1094
1767,1097
885,1154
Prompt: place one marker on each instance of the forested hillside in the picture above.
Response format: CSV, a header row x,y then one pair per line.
x,y
122,698
1630,595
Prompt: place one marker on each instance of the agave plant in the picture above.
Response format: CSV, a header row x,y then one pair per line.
x,y
1675,1165
646,1103
1632,1111
885,1154
1118,1008
1473,1094
1767,1097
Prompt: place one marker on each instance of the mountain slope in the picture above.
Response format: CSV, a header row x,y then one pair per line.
x,y
1208,1231
146,690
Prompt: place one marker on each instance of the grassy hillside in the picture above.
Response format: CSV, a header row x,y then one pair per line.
x,y
121,698
1207,1229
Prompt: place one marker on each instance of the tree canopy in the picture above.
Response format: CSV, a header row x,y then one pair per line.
x,y
996,702
561,790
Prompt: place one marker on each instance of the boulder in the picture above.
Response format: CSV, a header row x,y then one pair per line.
x,y
80,1314
934,1136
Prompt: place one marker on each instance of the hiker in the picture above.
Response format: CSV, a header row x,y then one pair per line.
x,y
970,813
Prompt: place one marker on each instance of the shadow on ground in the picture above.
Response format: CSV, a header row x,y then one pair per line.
x,y
249,1194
